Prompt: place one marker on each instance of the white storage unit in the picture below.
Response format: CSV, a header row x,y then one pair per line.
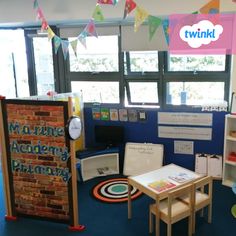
x,y
99,165
229,166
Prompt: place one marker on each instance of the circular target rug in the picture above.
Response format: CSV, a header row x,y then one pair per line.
x,y
114,191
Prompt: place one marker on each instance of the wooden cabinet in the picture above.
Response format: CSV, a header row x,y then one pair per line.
x,y
229,163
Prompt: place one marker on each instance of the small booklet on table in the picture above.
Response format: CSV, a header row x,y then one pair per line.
x,y
161,185
181,177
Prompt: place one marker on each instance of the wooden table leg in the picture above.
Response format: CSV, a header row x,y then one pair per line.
x,y
157,218
129,201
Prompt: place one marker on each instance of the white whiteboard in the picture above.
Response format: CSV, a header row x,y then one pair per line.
x,y
142,157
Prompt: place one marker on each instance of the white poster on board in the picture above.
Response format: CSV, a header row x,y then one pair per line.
x,y
184,118
183,147
181,132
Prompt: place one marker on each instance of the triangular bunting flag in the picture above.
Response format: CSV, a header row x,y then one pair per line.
x,y
140,17
115,2
44,25
153,22
57,43
65,48
90,28
97,14
51,34
105,2
130,5
39,13
36,4
165,25
74,46
82,38
211,7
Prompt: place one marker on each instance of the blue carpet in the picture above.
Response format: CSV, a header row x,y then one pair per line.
x,y
103,219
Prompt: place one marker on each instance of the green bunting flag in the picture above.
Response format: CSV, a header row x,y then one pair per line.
x,y
74,46
97,14
165,25
36,4
65,48
57,43
153,23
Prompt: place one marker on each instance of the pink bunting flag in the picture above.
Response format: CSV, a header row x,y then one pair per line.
x,y
65,48
40,14
44,25
90,28
110,2
130,5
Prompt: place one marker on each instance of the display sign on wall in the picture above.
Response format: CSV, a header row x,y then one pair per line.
x,y
38,158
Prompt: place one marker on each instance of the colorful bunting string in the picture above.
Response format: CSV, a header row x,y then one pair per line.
x,y
141,15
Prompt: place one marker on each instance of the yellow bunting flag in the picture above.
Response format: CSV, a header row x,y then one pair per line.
x,y
51,34
74,46
140,17
153,23
211,7
97,14
130,5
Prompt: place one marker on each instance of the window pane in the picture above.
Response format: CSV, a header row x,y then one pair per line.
x,y
13,66
144,61
43,65
101,55
196,62
101,92
143,92
195,93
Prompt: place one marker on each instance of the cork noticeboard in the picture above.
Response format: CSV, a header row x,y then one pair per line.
x,y
38,159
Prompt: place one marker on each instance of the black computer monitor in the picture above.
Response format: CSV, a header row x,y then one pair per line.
x,y
109,136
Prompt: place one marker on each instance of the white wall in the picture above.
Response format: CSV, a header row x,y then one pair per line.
x,y
21,11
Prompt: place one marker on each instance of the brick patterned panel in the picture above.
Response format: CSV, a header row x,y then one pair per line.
x,y
38,160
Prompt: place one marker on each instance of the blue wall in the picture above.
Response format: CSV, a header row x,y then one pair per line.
x,y
147,132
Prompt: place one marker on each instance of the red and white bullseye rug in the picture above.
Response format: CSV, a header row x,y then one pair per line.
x,y
114,190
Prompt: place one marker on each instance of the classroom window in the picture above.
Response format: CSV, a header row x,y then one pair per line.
x,y
100,55
196,62
194,93
13,66
101,92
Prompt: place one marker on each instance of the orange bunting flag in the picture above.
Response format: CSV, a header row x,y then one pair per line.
x,y
140,17
65,48
153,22
82,38
105,2
90,28
212,7
130,5
57,43
40,14
51,34
97,14
74,46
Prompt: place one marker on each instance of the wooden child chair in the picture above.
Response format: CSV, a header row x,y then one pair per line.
x,y
172,209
